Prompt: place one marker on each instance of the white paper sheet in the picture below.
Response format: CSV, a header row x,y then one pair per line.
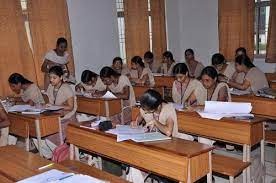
x,y
20,108
126,130
217,110
108,94
148,137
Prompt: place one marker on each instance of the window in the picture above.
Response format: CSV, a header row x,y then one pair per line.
x,y
26,21
262,8
121,27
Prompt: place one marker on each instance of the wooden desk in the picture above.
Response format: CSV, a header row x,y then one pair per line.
x,y
99,106
17,164
272,84
261,106
139,90
177,159
166,81
246,133
41,125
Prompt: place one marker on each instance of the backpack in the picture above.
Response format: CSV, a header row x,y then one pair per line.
x,y
60,153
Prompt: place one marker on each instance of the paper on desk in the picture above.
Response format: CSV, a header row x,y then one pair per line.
x,y
126,130
143,137
55,176
234,91
178,107
217,110
53,108
20,108
108,94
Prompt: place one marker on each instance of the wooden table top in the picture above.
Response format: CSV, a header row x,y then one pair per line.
x,y
175,145
37,116
17,164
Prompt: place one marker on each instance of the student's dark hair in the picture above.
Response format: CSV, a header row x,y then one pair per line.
x,y
242,49
57,70
180,68
16,78
189,50
107,72
61,40
168,54
149,55
138,60
117,59
87,76
209,71
244,60
151,99
218,59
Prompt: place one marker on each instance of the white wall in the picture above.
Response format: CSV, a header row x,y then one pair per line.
x,y
192,24
94,31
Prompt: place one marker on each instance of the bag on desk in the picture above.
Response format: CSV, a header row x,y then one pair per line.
x,y
60,153
105,125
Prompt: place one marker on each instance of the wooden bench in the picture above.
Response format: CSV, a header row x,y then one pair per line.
x,y
270,136
92,171
228,166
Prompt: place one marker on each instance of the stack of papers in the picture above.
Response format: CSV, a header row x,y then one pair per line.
x,y
109,95
218,110
126,132
59,176
179,107
28,109
234,91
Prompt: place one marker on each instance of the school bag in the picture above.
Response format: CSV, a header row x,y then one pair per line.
x,y
60,153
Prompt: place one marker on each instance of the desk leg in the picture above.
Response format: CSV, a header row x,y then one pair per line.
x,y
77,153
71,152
263,157
122,113
209,175
107,110
189,171
60,131
244,153
27,143
249,167
38,136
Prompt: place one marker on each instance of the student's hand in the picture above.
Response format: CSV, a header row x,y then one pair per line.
x,y
79,87
134,124
150,125
48,105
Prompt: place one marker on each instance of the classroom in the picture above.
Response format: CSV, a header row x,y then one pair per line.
x,y
142,91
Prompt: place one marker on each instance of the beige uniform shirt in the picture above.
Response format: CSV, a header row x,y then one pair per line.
x,y
99,86
33,93
257,79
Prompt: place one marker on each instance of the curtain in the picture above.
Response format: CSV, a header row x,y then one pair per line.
x,y
136,28
48,21
159,42
15,52
271,39
236,27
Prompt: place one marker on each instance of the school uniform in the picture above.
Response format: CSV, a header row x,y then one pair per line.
x,y
197,72
257,79
32,93
146,71
99,86
165,70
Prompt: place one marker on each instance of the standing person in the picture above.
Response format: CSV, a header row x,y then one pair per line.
x,y
168,63
55,57
195,67
139,73
29,91
187,90
150,62
254,79
61,94
118,66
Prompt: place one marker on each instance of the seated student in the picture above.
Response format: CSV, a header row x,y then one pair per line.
x,y
239,76
4,126
254,79
195,67
187,90
90,82
150,62
216,91
119,67
61,94
120,86
168,63
139,73
225,70
157,114
29,91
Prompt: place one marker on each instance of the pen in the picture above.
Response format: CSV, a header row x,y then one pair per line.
x,y
65,177
46,166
